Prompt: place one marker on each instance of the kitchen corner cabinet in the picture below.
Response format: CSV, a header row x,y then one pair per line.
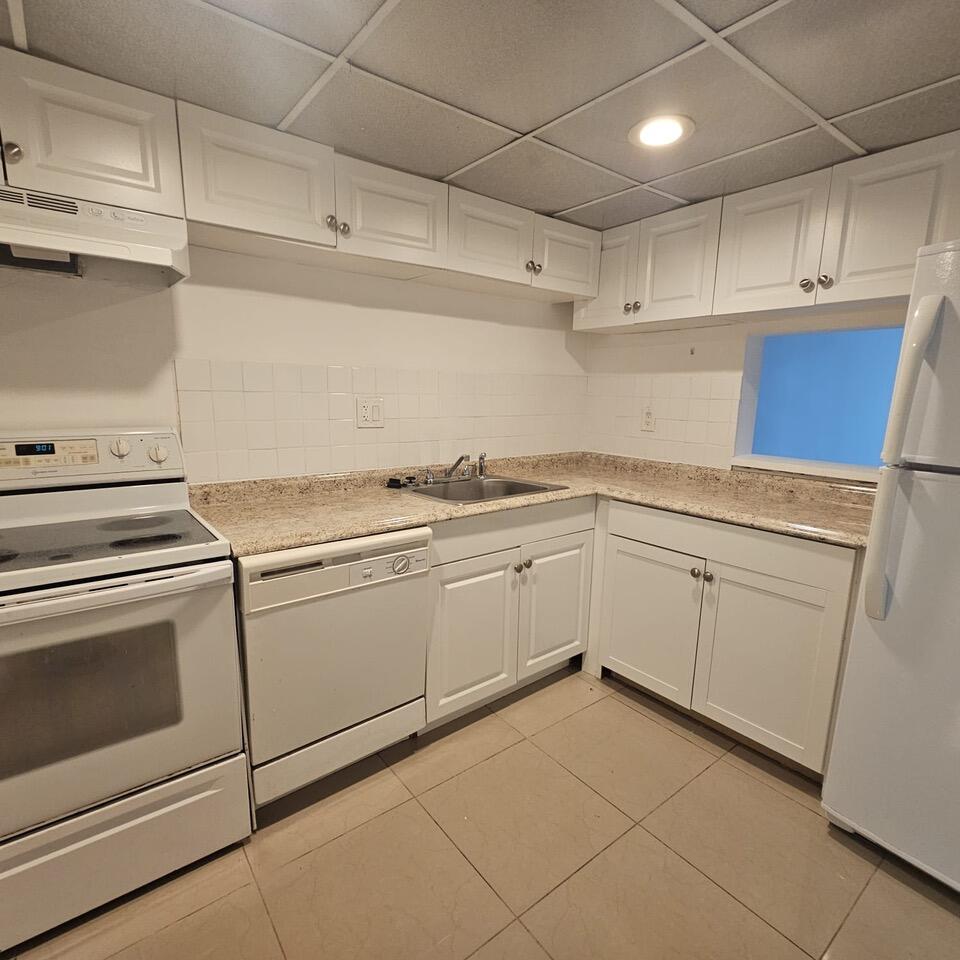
x,y
239,174
617,285
505,616
566,257
390,215
742,626
85,137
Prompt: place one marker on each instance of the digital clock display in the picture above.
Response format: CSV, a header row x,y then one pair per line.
x,y
35,449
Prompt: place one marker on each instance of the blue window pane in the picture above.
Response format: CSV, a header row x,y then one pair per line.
x,y
825,396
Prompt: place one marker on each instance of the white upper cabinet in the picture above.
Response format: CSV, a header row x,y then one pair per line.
x,y
678,262
566,257
614,303
239,174
882,208
770,240
391,215
490,238
85,137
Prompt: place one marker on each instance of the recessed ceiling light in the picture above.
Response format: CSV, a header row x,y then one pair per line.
x,y
660,131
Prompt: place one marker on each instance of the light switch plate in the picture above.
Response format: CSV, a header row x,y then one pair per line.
x,y
648,422
369,412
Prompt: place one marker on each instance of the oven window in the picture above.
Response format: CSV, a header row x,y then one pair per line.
x,y
65,700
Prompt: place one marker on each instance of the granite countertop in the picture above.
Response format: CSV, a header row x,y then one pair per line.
x,y
260,516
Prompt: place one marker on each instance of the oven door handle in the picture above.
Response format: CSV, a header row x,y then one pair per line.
x,y
92,596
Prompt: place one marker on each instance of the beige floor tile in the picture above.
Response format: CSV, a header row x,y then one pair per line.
x,y
394,887
106,932
234,928
783,862
901,916
523,821
299,823
514,943
425,761
535,707
788,782
632,761
674,720
640,901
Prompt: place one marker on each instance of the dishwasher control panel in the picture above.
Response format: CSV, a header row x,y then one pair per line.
x,y
388,567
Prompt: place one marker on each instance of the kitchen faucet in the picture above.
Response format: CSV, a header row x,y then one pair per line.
x,y
452,470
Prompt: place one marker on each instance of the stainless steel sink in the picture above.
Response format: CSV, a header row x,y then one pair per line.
x,y
479,489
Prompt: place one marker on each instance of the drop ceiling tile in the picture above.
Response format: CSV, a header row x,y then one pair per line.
x,y
329,26
626,208
6,31
522,63
371,119
903,121
539,178
788,158
731,108
838,55
721,13
179,49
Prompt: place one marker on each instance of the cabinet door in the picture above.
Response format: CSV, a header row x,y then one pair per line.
x,y
489,238
678,262
770,240
650,616
617,290
567,257
768,659
239,174
473,640
89,138
391,215
554,601
882,208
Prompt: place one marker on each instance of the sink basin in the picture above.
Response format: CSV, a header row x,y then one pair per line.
x,y
477,489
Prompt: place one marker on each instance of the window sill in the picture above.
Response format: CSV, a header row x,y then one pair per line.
x,y
812,468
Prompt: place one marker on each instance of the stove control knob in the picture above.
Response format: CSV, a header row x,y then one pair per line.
x,y
401,565
120,448
159,453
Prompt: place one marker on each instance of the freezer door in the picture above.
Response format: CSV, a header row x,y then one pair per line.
x,y
923,426
894,768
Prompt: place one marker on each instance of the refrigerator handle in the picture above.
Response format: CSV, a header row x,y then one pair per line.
x,y
920,332
875,584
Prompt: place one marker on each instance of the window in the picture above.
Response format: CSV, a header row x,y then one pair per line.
x,y
824,396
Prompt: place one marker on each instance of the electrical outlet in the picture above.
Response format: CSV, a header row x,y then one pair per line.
x,y
648,422
369,412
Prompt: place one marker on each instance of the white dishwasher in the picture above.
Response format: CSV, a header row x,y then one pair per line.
x,y
335,643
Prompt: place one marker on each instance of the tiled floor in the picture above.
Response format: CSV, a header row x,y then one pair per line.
x,y
578,821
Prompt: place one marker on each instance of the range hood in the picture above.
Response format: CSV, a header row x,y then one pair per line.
x,y
42,231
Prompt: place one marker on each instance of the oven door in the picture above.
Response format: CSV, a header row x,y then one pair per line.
x,y
110,685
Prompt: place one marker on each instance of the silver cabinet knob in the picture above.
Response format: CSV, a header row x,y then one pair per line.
x,y
12,152
518,567
636,306
537,269
825,281
528,563
627,307
529,265
331,222
696,573
708,577
806,285
344,229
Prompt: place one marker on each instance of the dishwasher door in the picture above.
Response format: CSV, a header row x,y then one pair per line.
x,y
334,635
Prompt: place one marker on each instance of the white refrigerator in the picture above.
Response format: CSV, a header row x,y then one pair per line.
x,y
893,772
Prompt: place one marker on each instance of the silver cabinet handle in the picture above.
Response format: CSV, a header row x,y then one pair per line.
x,y
12,152
708,577
529,266
627,308
518,567
636,306
537,269
696,573
331,222
344,229
528,563
806,285
825,281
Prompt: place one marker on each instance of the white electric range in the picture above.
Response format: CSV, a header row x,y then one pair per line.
x,y
121,754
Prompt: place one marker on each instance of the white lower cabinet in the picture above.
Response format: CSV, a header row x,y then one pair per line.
x,y
742,626
505,616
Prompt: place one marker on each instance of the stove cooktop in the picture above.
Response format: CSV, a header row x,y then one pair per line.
x,y
50,544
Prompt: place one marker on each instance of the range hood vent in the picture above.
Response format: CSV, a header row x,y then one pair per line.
x,y
63,205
